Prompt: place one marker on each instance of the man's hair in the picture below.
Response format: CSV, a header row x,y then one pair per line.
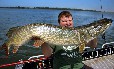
x,y
64,13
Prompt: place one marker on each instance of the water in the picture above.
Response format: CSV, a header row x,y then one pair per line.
x,y
19,17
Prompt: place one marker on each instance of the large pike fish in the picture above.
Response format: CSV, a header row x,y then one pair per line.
x,y
56,35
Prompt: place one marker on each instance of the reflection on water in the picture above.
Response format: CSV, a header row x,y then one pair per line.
x,y
18,17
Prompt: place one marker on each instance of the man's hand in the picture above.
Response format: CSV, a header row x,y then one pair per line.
x,y
92,44
38,42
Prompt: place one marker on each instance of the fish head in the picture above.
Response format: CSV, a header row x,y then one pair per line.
x,y
103,25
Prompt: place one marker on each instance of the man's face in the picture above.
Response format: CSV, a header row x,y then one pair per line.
x,y
66,21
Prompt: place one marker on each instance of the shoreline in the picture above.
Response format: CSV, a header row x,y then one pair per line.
x,y
49,8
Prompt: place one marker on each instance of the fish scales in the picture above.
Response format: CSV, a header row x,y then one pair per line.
x,y
56,35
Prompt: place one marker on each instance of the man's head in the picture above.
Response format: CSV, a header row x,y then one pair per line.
x,y
65,19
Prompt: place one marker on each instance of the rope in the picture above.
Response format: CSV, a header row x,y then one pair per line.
x,y
103,36
101,9
21,62
107,44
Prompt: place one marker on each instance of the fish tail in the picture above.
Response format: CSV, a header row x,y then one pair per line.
x,y
5,47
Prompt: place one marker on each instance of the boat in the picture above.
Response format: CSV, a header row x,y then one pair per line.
x,y
99,58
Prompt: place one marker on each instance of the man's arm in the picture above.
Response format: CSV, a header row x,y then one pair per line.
x,y
46,49
92,43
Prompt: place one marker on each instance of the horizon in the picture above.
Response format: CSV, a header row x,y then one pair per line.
x,y
22,7
107,5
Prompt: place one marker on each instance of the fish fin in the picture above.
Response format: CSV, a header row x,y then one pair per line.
x,y
81,47
1,48
5,47
38,43
11,30
15,49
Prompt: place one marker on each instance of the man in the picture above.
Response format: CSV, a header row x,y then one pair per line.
x,y
65,57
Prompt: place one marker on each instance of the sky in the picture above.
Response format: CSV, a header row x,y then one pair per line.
x,y
108,5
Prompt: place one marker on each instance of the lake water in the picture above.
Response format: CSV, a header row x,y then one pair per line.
x,y
19,17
